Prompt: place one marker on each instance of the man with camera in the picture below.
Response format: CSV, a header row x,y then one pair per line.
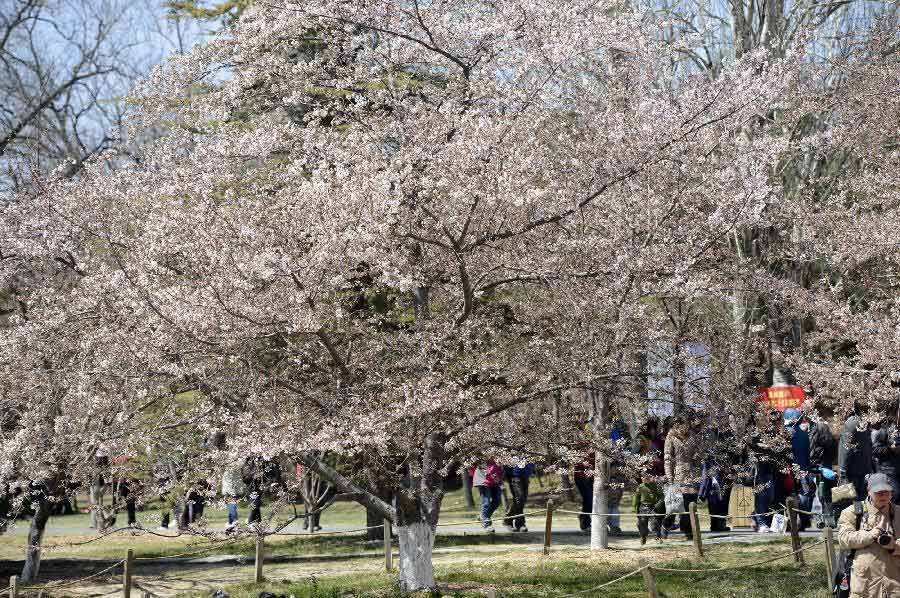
x,y
867,531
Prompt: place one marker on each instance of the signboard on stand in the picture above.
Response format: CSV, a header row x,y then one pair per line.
x,y
780,398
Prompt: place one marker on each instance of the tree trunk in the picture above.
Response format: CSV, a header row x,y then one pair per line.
x,y
599,533
467,487
95,497
35,535
417,516
416,545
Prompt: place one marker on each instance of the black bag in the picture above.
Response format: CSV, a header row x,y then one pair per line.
x,y
844,568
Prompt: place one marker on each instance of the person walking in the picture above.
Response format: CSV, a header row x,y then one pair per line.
x,y
855,450
488,478
771,450
650,506
821,462
886,451
683,468
798,430
584,481
518,477
232,490
868,533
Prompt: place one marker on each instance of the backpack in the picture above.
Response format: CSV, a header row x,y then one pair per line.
x,y
844,568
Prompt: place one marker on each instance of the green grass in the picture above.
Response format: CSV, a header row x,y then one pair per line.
x,y
568,572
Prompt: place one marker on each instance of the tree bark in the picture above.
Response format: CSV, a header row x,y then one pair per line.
x,y
36,534
418,509
467,487
599,532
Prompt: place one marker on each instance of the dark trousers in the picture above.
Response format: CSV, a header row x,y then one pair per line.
x,y
255,500
651,518
125,492
684,521
518,486
586,490
193,508
859,482
719,506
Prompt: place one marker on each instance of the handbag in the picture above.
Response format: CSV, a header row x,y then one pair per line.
x,y
843,493
674,500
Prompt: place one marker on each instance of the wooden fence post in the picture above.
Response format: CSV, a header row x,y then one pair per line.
x,y
388,557
829,556
548,527
127,573
13,586
695,529
258,574
651,583
145,594
795,529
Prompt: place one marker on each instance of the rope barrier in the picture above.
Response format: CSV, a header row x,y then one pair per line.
x,y
743,566
609,583
706,570
72,583
478,521
343,531
630,514
6,590
221,544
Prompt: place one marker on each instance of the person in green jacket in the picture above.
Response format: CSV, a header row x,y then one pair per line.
x,y
650,506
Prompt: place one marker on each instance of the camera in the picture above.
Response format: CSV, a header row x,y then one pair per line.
x,y
885,539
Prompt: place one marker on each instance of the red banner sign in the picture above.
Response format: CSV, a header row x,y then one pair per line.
x,y
780,397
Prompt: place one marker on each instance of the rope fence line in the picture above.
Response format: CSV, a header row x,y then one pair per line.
x,y
630,514
652,569
6,590
608,583
744,565
54,586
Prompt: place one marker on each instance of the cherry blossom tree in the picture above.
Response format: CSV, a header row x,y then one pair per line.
x,y
435,218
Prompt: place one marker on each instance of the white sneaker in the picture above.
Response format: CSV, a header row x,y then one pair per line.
x,y
763,529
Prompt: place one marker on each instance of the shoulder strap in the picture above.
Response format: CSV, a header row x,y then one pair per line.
x,y
848,564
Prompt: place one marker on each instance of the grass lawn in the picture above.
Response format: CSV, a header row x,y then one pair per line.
x,y
65,536
527,574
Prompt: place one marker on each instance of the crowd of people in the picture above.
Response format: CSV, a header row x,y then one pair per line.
x,y
684,460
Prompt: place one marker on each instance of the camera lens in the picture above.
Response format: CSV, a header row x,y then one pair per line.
x,y
884,539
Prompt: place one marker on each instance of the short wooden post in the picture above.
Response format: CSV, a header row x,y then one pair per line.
x,y
127,573
492,593
13,586
145,594
795,529
651,583
829,556
695,528
548,527
258,574
388,557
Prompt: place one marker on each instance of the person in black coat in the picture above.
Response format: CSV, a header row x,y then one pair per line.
x,y
855,451
886,451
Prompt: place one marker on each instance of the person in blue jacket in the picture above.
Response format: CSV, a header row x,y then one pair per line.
x,y
518,485
798,429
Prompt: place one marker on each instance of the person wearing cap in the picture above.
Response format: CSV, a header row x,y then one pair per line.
x,y
876,566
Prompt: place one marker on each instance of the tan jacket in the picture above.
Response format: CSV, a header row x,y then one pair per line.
x,y
876,573
682,463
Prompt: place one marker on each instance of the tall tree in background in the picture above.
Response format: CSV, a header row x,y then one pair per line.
x,y
390,229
